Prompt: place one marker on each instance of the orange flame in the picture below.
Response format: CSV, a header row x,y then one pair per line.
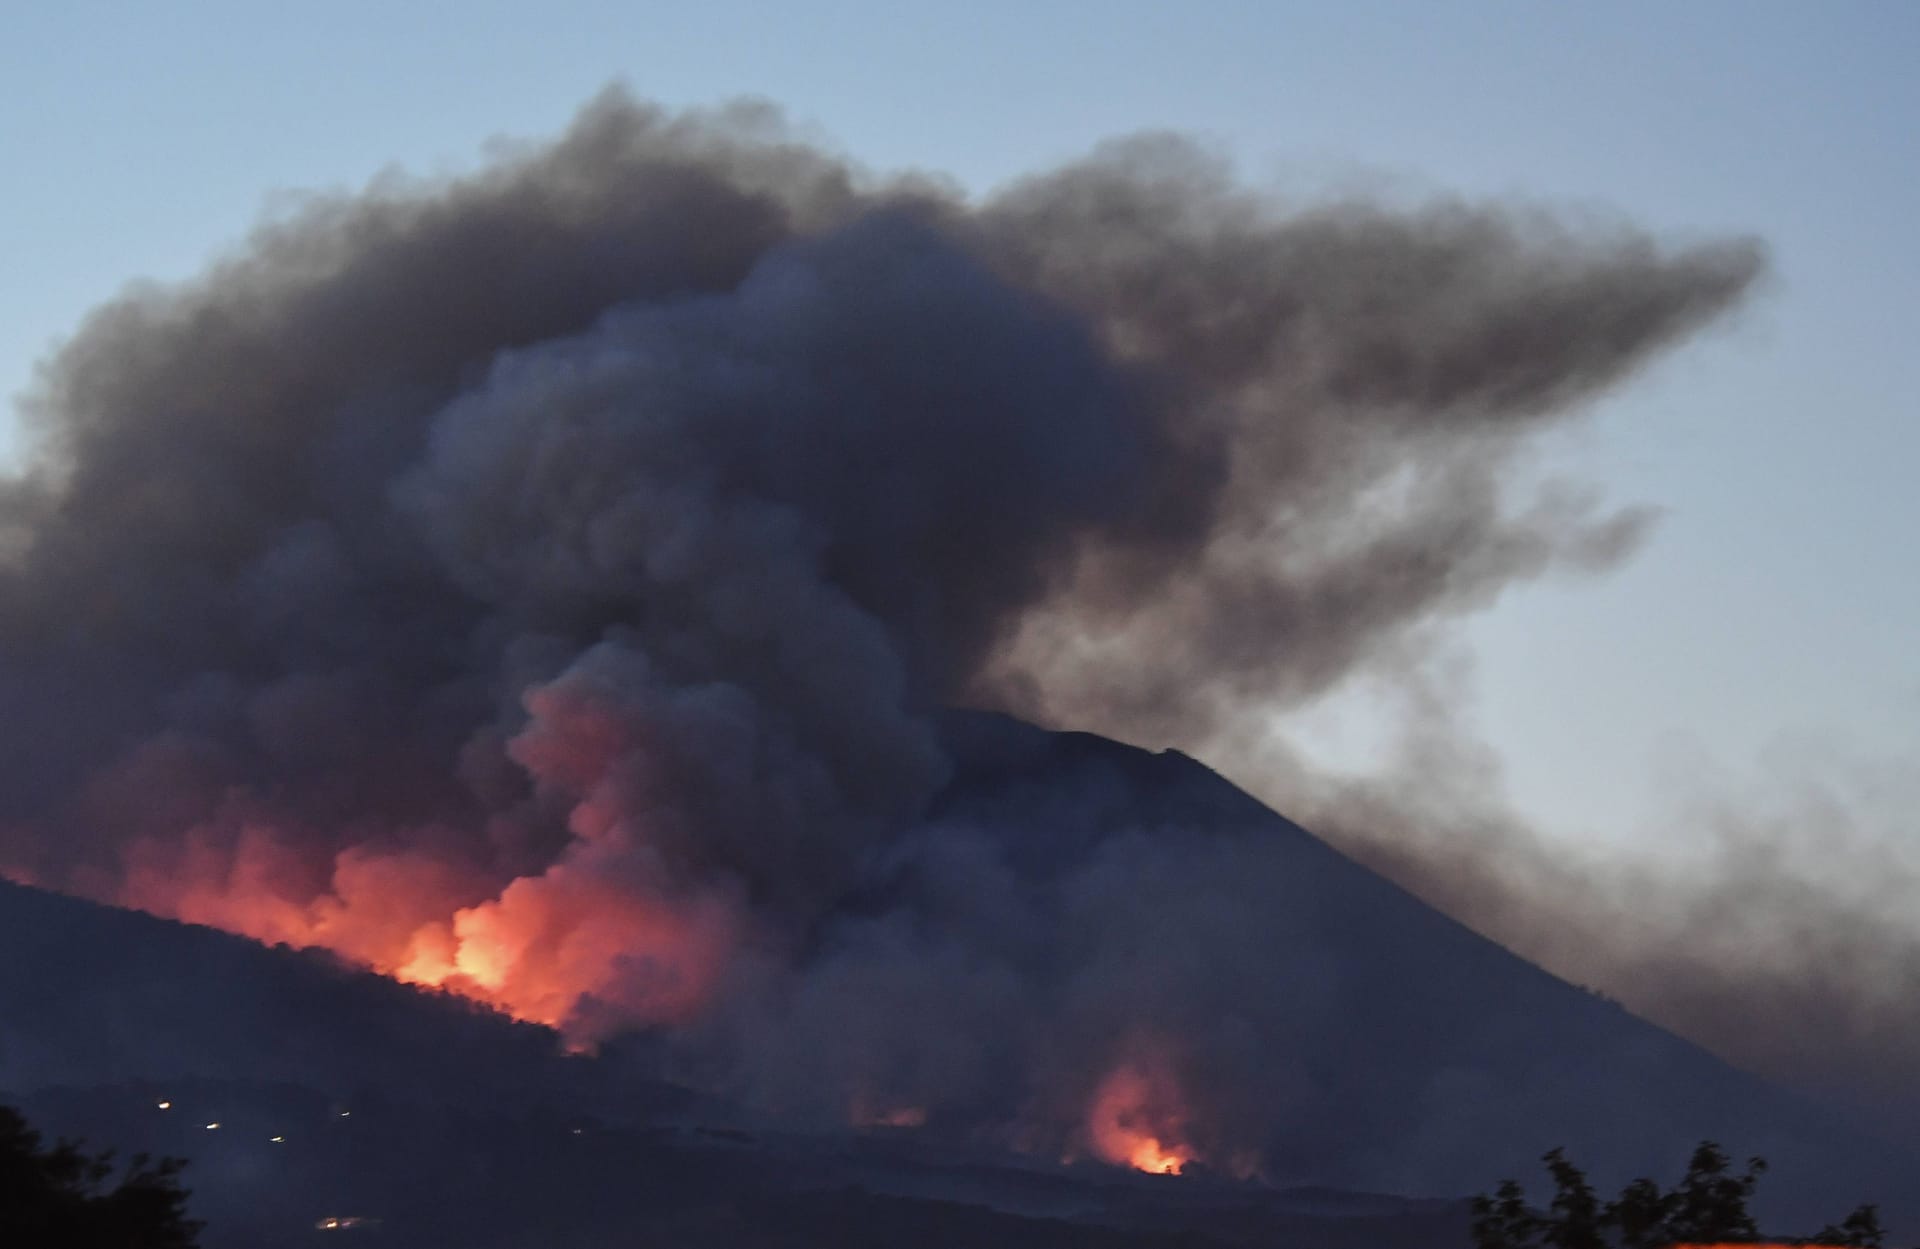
x,y
532,950
1138,1119
596,939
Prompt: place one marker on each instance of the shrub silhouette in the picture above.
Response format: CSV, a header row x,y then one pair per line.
x,y
61,1197
1859,1230
1708,1206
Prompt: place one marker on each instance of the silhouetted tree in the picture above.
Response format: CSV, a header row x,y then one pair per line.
x,y
1711,1203
1861,1230
1501,1220
58,1197
1708,1206
1576,1210
1639,1215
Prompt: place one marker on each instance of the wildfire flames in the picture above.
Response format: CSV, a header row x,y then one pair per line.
x,y
489,954
539,585
596,921
515,955
1137,1120
533,950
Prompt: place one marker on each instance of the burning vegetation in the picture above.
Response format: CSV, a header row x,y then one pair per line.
x,y
1138,1120
545,585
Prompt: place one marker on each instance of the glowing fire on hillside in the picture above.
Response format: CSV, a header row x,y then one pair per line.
x,y
871,1112
1139,1120
532,950
575,923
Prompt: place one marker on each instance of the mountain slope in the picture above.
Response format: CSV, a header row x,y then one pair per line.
x,y
1372,1043
1429,1058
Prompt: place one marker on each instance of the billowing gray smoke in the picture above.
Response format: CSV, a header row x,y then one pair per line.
x,y
543,584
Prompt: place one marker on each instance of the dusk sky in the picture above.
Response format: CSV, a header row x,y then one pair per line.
x,y
1766,630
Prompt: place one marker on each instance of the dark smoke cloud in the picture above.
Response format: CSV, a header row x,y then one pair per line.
x,y
1369,376
543,583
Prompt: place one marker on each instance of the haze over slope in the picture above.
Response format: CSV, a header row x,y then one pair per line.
x,y
542,584
1375,1045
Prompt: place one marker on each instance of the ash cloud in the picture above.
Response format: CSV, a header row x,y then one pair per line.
x,y
544,584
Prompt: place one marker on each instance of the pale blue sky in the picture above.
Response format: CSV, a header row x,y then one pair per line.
x,y
1778,600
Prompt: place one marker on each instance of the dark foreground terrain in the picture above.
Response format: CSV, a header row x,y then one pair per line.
x,y
438,1176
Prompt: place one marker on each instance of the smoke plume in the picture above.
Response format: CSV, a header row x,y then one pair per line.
x,y
543,584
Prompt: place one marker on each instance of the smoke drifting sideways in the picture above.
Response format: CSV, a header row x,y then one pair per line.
x,y
1776,930
542,584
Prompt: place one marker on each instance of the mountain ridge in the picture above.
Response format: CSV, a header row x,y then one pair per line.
x,y
1439,1062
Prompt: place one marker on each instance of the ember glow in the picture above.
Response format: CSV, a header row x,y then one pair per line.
x,y
546,586
597,918
533,950
871,1112
521,954
1138,1120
